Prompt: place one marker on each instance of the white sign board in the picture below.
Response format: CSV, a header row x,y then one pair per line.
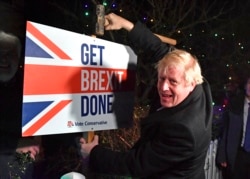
x,y
75,83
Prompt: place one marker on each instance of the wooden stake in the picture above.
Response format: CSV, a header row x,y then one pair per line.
x,y
90,136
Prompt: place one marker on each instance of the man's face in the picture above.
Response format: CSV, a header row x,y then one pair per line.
x,y
172,87
8,61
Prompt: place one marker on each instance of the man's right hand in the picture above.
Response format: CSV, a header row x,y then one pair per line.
x,y
115,22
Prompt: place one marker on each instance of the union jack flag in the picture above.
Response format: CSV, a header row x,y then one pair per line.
x,y
37,113
52,90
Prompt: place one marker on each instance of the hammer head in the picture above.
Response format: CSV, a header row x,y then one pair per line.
x,y
100,13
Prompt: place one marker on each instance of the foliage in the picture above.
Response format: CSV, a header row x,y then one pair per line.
x,y
124,138
19,166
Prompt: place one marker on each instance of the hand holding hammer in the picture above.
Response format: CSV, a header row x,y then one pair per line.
x,y
115,22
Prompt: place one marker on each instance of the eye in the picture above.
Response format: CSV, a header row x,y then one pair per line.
x,y
173,82
161,79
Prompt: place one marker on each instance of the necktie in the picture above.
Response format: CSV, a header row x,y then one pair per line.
x,y
247,133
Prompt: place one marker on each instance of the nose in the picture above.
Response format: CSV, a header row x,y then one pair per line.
x,y
164,85
3,58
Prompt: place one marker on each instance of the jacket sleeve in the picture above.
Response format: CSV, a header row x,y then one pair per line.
x,y
169,149
142,39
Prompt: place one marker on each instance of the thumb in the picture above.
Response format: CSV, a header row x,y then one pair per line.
x,y
106,21
82,140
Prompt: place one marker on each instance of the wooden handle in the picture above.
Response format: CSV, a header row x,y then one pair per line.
x,y
91,135
167,39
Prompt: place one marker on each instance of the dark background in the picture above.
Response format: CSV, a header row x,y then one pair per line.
x,y
216,32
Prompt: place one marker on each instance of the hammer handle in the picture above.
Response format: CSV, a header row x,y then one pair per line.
x,y
167,39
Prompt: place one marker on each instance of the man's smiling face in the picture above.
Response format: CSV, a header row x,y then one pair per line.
x,y
172,86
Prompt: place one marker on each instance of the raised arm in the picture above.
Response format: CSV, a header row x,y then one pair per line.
x,y
140,36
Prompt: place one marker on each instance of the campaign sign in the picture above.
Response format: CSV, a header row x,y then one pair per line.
x,y
75,83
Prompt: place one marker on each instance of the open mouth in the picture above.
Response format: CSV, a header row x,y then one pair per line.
x,y
166,95
166,98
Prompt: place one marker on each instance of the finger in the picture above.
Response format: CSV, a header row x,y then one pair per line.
x,y
82,141
33,156
33,151
22,150
106,22
96,139
36,149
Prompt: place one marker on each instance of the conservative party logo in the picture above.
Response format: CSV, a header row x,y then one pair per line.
x,y
70,124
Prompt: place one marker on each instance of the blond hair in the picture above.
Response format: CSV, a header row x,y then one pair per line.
x,y
181,58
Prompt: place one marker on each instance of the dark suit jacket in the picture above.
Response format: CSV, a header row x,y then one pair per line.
x,y
232,131
10,114
173,141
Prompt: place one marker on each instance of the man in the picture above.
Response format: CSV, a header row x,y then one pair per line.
x,y
231,155
174,140
11,142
